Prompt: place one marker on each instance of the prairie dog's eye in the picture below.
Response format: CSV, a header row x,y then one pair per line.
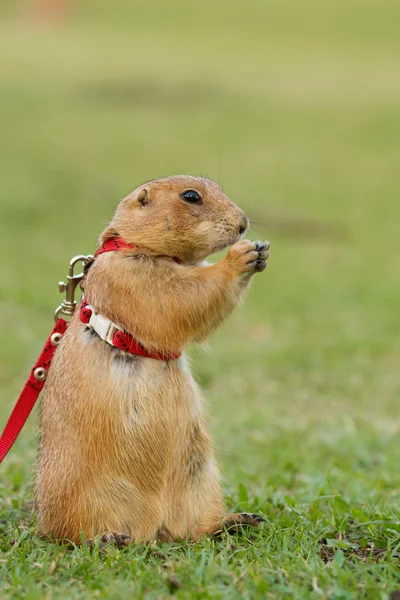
x,y
192,197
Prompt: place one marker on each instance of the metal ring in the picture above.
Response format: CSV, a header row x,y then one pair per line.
x,y
56,338
40,374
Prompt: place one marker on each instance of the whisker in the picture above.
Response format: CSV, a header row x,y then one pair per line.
x,y
301,228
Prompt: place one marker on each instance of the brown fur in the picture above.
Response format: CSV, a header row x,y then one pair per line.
x,y
124,447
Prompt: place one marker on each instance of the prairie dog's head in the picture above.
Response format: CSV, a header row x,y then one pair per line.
x,y
184,217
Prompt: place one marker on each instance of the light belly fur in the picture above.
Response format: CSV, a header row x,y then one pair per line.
x,y
119,433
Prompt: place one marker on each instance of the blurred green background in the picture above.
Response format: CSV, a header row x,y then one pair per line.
x,y
295,108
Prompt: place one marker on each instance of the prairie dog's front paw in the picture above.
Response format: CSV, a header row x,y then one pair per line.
x,y
263,255
248,257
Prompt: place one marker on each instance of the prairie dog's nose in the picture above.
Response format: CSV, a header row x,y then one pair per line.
x,y
243,225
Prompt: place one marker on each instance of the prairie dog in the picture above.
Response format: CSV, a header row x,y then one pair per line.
x,y
124,451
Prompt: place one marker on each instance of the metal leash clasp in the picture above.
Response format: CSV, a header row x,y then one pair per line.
x,y
67,307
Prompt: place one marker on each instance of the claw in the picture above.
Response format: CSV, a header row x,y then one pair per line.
x,y
232,522
260,246
258,518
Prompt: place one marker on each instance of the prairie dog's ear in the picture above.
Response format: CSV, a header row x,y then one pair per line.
x,y
143,196
140,197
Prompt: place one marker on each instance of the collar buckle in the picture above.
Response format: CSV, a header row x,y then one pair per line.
x,y
105,328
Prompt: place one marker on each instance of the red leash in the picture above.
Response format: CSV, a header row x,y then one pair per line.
x,y
37,378
32,389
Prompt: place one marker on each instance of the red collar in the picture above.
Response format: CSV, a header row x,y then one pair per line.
x,y
115,244
108,330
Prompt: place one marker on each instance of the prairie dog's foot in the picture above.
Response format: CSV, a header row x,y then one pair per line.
x,y
164,535
232,522
119,540
248,257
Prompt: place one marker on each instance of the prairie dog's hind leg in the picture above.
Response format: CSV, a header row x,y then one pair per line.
x,y
194,499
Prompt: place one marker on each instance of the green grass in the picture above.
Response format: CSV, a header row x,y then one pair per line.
x,y
295,108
